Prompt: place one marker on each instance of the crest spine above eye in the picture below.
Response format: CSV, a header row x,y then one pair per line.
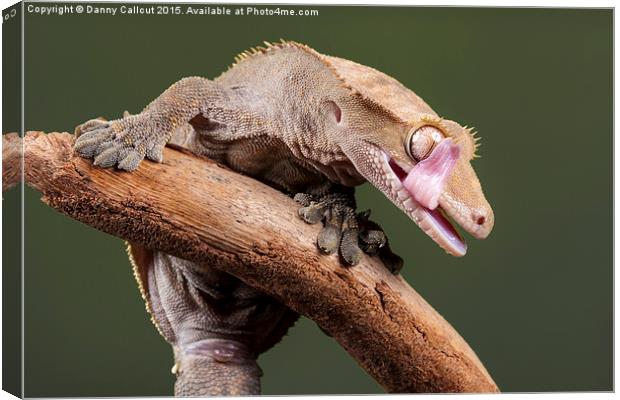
x,y
475,140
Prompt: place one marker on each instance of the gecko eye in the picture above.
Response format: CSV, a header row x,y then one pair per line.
x,y
421,142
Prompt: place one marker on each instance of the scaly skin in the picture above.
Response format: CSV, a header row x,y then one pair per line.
x,y
310,125
205,377
215,323
294,118
344,230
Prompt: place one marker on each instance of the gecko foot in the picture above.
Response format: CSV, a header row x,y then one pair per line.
x,y
344,230
375,242
123,143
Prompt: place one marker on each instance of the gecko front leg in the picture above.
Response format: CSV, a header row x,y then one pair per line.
x,y
125,142
344,230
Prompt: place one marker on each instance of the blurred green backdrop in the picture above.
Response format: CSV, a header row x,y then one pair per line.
x,y
534,300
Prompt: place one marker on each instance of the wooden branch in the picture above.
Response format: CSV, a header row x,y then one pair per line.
x,y
11,160
193,208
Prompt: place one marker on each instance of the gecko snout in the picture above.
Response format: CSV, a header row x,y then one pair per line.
x,y
482,221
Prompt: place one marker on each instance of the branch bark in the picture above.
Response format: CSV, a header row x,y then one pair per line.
x,y
11,160
195,209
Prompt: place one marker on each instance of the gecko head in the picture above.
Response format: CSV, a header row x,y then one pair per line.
x,y
424,167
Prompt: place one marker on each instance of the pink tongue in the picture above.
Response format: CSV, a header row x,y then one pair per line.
x,y
426,180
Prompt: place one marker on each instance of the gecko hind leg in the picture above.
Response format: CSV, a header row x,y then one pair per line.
x,y
216,324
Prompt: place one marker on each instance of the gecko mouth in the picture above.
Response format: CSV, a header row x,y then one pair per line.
x,y
434,222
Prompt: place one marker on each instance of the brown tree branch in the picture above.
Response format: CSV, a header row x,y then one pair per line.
x,y
11,160
193,208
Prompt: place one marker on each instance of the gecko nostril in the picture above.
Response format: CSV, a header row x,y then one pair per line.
x,y
480,220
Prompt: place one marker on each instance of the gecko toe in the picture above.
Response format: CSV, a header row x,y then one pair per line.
x,y
156,154
393,262
123,142
92,143
312,214
90,126
86,148
372,240
100,135
344,231
329,237
107,157
103,146
131,161
349,249
303,199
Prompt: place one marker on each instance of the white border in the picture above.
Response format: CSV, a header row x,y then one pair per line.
x,y
478,3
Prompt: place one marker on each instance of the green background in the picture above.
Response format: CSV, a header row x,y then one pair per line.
x,y
534,300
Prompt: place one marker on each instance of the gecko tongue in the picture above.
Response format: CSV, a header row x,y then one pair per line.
x,y
427,178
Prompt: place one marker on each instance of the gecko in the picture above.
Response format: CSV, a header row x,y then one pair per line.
x,y
313,126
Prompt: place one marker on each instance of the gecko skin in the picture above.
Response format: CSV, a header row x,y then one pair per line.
x,y
311,125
